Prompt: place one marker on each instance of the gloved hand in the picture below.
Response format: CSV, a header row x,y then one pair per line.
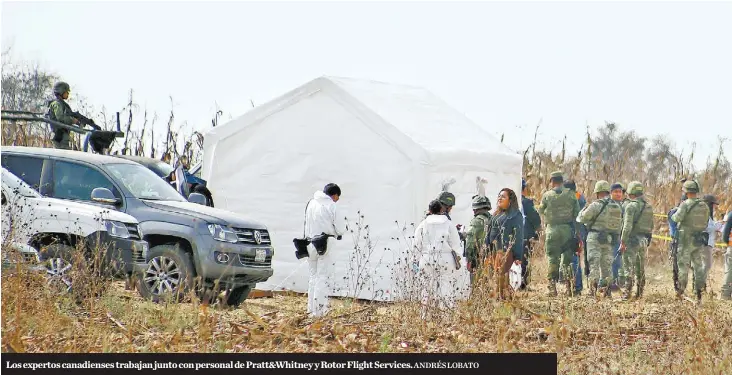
x,y
339,238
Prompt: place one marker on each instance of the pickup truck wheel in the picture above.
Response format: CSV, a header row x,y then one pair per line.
x,y
169,274
56,259
235,296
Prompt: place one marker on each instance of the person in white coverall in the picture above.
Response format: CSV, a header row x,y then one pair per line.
x,y
321,217
435,239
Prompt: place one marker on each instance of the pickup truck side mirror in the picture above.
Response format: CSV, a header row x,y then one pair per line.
x,y
104,195
197,198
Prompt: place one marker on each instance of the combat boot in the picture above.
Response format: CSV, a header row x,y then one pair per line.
x,y
593,289
628,290
639,289
622,281
552,289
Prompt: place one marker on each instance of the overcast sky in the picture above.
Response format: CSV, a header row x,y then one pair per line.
x,y
662,68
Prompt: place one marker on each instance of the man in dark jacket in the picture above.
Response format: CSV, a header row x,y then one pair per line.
x,y
532,223
582,230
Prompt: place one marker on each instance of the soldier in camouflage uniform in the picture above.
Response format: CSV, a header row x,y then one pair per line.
x,y
635,238
603,219
692,218
476,234
559,207
726,292
59,110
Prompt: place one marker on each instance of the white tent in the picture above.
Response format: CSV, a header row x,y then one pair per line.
x,y
389,147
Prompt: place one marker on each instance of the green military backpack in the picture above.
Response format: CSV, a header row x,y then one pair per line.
x,y
644,219
561,207
697,218
613,217
610,217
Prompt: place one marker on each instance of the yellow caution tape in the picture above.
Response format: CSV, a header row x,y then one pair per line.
x,y
667,238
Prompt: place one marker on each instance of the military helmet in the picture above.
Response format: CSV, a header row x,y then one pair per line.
x,y
691,186
481,202
557,175
61,87
447,198
635,188
602,186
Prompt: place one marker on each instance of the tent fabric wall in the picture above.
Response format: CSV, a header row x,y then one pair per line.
x,y
268,163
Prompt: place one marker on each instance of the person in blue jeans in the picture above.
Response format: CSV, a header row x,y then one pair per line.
x,y
576,266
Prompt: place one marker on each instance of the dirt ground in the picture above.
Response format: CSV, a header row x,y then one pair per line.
x,y
655,335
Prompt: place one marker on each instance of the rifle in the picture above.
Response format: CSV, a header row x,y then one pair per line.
x,y
10,115
674,259
587,261
83,120
99,139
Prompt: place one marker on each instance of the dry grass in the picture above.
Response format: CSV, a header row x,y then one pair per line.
x,y
657,334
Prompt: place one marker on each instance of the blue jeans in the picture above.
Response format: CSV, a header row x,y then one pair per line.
x,y
577,269
617,261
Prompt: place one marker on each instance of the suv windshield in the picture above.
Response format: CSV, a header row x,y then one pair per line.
x,y
162,169
17,185
143,183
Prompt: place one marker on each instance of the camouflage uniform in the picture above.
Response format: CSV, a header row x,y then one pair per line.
x,y
727,281
636,235
476,233
692,218
603,218
559,207
59,110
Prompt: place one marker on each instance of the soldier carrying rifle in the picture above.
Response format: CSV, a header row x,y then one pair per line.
x,y
59,110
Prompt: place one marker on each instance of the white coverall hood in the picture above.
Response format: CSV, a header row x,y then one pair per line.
x,y
322,216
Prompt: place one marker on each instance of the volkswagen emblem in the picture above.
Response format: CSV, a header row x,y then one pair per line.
x,y
257,237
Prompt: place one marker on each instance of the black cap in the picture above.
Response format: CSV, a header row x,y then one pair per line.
x,y
711,199
569,184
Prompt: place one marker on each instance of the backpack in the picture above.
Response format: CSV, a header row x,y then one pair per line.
x,y
697,218
614,217
643,223
561,207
